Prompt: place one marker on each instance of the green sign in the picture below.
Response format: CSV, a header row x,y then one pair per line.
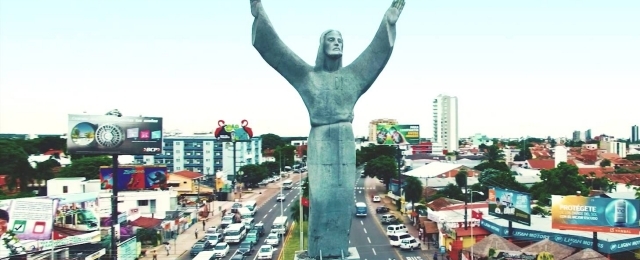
x,y
397,134
19,226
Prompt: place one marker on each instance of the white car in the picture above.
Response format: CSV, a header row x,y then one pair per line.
x,y
272,239
409,243
221,249
280,197
214,238
376,199
266,252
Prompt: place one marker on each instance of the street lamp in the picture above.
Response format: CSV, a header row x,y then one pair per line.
x,y
472,237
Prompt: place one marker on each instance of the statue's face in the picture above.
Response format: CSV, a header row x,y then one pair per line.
x,y
333,44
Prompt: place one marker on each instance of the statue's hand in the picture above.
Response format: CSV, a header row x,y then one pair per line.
x,y
394,11
254,7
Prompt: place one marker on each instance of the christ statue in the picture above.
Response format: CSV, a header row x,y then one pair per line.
x,y
330,92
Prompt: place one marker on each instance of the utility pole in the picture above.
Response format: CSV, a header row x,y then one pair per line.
x,y
301,215
114,197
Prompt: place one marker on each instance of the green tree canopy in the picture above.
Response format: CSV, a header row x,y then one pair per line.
x,y
498,179
14,162
44,170
451,191
287,153
272,167
562,180
253,174
383,168
271,141
368,153
88,167
295,212
461,179
413,190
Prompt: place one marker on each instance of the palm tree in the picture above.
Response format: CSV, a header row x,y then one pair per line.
x,y
493,154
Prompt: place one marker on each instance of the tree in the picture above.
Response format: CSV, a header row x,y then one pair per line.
x,y
14,162
50,143
272,167
524,154
494,178
253,174
305,187
45,169
500,166
295,212
562,180
368,153
287,153
450,191
271,141
605,163
482,147
633,157
383,168
413,190
88,167
493,154
461,179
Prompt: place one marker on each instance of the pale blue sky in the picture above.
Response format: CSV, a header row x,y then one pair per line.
x,y
518,67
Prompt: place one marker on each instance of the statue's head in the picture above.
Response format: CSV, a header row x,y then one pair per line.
x,y
330,48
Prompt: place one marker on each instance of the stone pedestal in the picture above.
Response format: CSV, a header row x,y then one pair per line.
x,y
351,254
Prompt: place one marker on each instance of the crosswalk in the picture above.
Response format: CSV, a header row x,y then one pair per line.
x,y
357,188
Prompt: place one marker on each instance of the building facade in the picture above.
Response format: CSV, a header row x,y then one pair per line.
x,y
587,135
373,125
445,122
577,136
634,134
203,154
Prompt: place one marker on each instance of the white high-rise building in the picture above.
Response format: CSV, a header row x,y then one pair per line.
x,y
445,122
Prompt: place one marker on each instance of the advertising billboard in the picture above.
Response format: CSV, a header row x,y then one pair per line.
x,y
38,224
99,134
510,205
397,134
137,177
233,133
595,214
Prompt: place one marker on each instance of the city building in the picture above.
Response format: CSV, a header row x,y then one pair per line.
x,y
634,134
577,136
422,147
374,124
587,135
480,139
203,153
618,148
445,122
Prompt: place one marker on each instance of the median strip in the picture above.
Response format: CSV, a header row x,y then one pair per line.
x,y
286,240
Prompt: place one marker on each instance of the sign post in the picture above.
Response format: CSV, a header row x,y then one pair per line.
x,y
234,134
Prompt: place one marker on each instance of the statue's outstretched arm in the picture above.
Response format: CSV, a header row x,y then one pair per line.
x,y
275,52
370,63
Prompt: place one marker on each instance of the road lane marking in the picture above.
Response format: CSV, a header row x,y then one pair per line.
x,y
361,223
374,251
270,210
288,205
275,205
265,215
369,239
365,230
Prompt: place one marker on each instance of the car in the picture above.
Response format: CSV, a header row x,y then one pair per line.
x,y
409,243
389,219
211,230
376,199
382,209
272,239
266,252
362,175
199,246
245,248
235,207
276,178
280,197
227,220
259,228
252,237
221,249
214,238
271,180
238,257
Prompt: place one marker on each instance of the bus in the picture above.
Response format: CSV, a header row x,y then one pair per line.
x,y
287,184
361,209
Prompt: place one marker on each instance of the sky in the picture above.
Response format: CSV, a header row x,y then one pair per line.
x,y
518,68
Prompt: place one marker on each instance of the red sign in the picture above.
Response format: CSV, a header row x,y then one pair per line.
x,y
305,202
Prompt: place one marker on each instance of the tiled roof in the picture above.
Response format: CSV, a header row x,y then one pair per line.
x,y
189,174
633,179
146,222
428,192
599,171
609,156
440,203
474,205
543,164
53,152
454,172
477,231
430,227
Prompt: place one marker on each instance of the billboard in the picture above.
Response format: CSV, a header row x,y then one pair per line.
x,y
99,134
233,133
510,205
595,214
39,224
137,177
397,134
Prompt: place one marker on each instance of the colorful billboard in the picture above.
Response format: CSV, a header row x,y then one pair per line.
x,y
37,224
233,133
397,134
595,214
99,134
510,205
137,177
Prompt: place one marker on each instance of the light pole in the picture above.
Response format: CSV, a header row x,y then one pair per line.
x,y
281,201
301,209
472,237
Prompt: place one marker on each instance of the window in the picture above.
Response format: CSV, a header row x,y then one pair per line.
x,y
178,168
207,143
207,160
217,154
217,162
177,160
143,203
177,151
208,151
198,154
188,154
178,143
65,189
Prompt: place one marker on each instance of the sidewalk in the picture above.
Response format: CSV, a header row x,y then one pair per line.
x,y
185,240
380,191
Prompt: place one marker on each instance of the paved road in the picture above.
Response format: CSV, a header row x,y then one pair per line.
x,y
369,236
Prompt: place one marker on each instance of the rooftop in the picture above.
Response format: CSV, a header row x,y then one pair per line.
x,y
189,174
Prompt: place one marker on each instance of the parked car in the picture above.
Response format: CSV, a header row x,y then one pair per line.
x,y
266,252
238,257
376,199
272,239
382,209
252,237
389,219
280,197
245,248
201,245
409,243
221,249
214,238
